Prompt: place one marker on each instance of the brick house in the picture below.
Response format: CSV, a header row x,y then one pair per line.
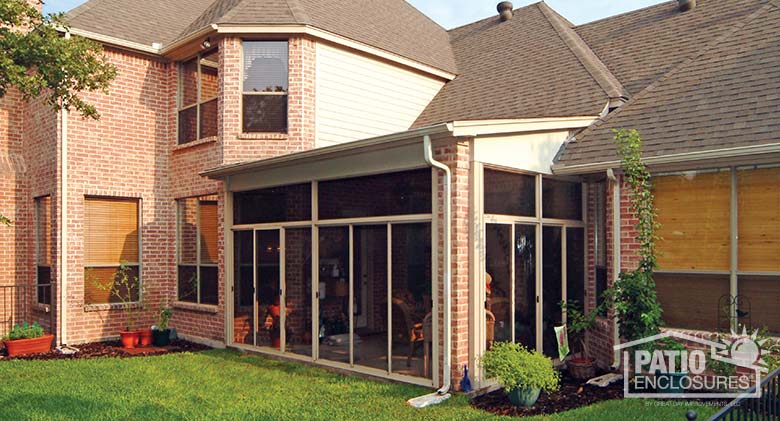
x,y
349,184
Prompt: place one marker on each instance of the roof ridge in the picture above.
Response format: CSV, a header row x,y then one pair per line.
x,y
298,11
589,60
489,17
681,66
626,13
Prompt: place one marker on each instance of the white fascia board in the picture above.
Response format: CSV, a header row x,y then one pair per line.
x,y
336,39
105,39
724,153
487,127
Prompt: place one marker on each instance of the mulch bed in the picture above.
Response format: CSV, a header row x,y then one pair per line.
x,y
572,394
112,349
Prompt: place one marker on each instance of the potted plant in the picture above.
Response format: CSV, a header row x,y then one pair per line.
x,y
27,339
522,373
121,287
580,367
671,382
162,335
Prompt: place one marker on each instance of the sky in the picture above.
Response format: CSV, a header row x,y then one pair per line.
x,y
453,13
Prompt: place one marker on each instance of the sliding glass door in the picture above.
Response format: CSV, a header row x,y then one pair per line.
x,y
375,297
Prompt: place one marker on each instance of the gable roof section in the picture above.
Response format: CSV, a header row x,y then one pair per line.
x,y
532,66
140,21
391,25
641,46
726,96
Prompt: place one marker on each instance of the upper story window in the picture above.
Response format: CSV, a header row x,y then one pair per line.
x,y
265,87
198,91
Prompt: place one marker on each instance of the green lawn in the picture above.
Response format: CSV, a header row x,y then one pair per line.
x,y
227,385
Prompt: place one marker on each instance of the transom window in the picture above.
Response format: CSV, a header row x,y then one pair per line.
x,y
265,87
198,91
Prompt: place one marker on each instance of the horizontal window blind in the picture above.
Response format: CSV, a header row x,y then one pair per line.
x,y
43,231
265,66
759,220
694,213
208,232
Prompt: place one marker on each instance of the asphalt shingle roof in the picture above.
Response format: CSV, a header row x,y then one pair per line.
x,y
391,25
727,95
531,66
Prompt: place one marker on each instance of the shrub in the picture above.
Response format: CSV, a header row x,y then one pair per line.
x,y
516,367
24,331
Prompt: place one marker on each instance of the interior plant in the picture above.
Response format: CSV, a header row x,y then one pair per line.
x,y
125,287
162,335
521,372
632,298
24,339
578,324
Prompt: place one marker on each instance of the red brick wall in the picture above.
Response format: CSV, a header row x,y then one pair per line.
x,y
601,339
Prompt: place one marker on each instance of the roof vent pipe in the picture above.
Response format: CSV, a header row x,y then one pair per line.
x,y
686,5
505,10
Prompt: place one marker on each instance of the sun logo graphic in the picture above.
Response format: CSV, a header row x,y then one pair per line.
x,y
744,350
677,365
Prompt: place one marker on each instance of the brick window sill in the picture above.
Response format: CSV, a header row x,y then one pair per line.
x,y
108,307
204,141
198,308
263,136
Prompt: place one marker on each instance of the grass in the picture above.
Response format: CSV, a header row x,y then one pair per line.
x,y
222,384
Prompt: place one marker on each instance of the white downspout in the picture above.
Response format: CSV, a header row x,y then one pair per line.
x,y
615,254
447,227
63,261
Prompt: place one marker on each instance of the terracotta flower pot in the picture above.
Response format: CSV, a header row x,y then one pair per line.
x,y
145,337
129,338
29,346
582,368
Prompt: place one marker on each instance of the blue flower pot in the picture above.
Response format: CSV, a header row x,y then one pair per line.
x,y
671,383
524,397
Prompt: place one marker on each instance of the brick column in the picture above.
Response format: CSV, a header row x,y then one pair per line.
x,y
455,154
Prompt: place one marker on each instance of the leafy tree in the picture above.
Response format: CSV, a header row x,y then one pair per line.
x,y
36,59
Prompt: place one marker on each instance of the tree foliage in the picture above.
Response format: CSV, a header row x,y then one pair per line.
x,y
37,59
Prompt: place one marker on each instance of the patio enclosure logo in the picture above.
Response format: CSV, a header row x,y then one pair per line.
x,y
654,367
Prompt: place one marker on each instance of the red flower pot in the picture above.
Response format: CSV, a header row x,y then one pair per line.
x,y
145,337
129,339
29,346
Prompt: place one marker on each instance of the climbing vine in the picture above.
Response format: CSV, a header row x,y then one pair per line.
x,y
632,297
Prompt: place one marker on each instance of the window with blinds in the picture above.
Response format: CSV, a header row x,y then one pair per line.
x,y
43,249
694,213
111,239
694,210
197,225
198,91
265,86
